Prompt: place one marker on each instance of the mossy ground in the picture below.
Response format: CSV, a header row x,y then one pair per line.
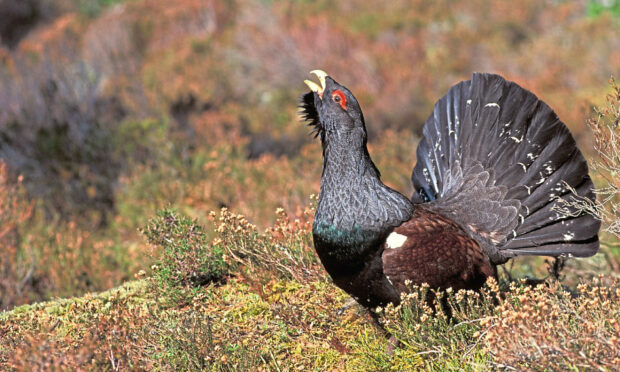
x,y
288,326
258,316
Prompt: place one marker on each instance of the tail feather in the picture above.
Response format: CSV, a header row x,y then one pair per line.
x,y
549,214
573,249
500,162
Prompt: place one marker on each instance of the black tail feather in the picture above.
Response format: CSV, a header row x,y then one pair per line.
x,y
494,127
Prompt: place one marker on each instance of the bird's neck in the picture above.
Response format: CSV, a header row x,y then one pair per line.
x,y
356,211
352,197
348,161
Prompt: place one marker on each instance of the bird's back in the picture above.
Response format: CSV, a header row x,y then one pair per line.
x,y
432,249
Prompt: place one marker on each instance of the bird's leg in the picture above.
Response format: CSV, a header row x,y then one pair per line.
x,y
555,268
350,302
392,342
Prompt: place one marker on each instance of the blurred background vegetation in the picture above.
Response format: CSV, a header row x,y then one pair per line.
x,y
111,109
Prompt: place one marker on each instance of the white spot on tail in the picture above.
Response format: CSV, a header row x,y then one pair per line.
x,y
548,167
569,236
469,101
427,177
492,104
395,240
524,167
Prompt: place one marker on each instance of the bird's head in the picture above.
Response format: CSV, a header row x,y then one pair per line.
x,y
332,110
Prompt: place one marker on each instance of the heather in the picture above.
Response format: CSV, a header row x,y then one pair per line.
x,y
156,182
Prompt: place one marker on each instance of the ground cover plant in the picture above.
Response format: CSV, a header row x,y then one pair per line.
x,y
241,311
123,124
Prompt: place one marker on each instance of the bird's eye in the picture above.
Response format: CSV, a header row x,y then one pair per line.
x,y
340,98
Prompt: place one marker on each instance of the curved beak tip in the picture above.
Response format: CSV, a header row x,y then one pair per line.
x,y
314,86
321,75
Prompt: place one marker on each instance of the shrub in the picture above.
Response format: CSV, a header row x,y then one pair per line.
x,y
605,127
186,257
442,327
15,270
284,250
520,327
57,129
547,328
40,258
19,17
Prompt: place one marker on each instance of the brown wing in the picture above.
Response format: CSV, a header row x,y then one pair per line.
x,y
430,248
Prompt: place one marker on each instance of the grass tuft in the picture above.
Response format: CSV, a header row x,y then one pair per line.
x,y
186,257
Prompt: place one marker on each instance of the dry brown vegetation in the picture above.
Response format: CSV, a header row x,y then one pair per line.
x,y
14,211
549,327
257,314
112,110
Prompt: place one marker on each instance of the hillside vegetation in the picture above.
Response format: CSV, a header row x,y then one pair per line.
x,y
246,300
123,124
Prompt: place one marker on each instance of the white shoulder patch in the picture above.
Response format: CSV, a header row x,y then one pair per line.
x,y
395,240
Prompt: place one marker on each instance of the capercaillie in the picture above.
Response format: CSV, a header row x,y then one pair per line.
x,y
493,166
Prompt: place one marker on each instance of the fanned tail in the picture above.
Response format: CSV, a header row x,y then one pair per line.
x,y
498,161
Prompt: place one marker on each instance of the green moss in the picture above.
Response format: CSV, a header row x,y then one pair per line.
x,y
284,324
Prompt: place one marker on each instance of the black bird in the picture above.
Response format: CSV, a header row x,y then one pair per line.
x,y
492,168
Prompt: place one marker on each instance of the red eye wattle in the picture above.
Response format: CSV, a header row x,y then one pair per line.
x,y
340,98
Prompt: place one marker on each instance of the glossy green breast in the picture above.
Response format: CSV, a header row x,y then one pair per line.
x,y
342,249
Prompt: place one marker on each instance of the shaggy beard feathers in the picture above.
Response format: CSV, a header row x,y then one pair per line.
x,y
310,115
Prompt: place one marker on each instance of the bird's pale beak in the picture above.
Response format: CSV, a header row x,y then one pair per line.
x,y
314,86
